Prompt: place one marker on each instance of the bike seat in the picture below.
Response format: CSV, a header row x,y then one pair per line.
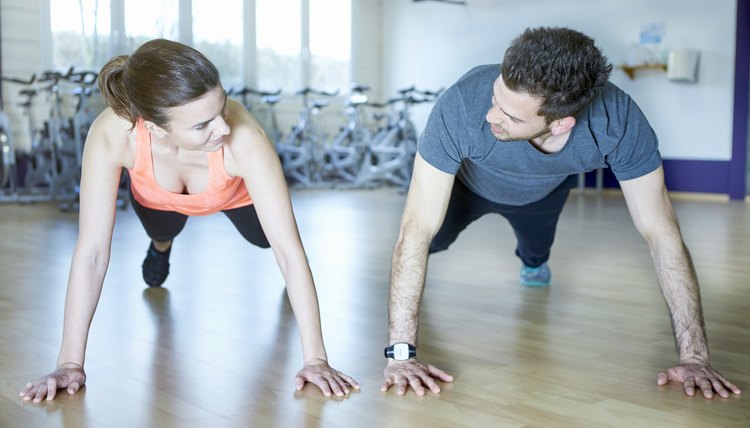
x,y
360,88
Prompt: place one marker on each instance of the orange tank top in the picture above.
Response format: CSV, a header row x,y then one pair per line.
x,y
223,192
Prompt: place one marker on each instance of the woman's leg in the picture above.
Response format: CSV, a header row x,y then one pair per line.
x,y
162,227
246,221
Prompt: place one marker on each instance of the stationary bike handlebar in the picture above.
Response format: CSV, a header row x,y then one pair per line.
x,y
360,88
407,96
250,91
308,90
55,76
21,81
30,81
412,90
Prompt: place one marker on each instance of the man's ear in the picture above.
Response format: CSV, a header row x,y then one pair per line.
x,y
155,129
561,126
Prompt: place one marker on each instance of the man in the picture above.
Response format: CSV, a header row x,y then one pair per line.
x,y
510,140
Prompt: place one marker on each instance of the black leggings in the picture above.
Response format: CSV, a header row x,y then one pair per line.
x,y
534,224
163,226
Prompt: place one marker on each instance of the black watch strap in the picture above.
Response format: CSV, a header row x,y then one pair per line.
x,y
400,351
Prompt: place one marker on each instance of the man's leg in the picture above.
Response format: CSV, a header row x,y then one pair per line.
x,y
246,221
162,227
463,208
535,225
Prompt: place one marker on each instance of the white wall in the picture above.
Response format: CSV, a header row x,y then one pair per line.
x,y
431,44
21,41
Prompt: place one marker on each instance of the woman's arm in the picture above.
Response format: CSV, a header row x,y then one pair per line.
x,y
250,155
104,153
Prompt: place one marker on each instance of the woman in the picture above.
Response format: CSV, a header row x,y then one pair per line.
x,y
189,151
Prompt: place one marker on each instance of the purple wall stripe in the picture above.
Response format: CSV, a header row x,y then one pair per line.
x,y
683,176
738,165
697,176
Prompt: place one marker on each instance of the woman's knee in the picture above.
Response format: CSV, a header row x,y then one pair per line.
x,y
259,241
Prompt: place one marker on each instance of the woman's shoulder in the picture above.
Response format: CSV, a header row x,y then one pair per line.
x,y
108,124
238,116
245,130
247,141
114,134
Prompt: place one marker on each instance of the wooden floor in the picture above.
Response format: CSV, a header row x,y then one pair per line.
x,y
218,347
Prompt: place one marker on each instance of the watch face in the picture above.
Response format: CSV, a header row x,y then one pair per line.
x,y
401,351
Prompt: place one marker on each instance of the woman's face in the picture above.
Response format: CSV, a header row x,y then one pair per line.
x,y
200,124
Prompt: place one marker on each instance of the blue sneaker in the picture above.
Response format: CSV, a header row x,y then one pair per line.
x,y
539,276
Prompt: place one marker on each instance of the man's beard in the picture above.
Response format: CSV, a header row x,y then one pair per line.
x,y
507,137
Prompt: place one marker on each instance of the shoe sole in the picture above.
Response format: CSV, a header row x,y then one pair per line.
x,y
535,284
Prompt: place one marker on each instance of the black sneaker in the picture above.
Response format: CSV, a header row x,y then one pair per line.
x,y
155,266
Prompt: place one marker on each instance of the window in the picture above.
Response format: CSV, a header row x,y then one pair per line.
x,y
297,41
278,41
150,19
330,44
80,31
217,33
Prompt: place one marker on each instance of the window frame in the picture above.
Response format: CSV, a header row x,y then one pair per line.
x,y
248,64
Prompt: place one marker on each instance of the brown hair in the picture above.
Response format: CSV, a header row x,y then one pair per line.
x,y
158,75
562,67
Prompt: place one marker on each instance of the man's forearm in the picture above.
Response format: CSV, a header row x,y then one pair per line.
x,y
408,269
679,285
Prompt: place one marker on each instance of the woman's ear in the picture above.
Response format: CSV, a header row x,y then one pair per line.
x,y
155,129
561,126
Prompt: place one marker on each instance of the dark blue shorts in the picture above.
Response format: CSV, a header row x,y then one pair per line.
x,y
534,224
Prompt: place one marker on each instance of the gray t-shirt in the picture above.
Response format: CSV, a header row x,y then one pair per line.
x,y
611,132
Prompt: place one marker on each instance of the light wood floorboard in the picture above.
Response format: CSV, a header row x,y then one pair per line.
x,y
218,345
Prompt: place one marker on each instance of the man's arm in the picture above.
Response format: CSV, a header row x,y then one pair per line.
x,y
653,216
426,204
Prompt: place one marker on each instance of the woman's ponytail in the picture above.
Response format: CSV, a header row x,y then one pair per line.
x,y
113,86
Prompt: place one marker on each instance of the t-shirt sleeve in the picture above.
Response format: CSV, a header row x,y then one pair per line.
x,y
637,151
440,144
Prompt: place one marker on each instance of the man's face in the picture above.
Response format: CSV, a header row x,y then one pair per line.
x,y
513,115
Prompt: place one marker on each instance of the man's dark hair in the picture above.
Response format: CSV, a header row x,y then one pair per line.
x,y
560,66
